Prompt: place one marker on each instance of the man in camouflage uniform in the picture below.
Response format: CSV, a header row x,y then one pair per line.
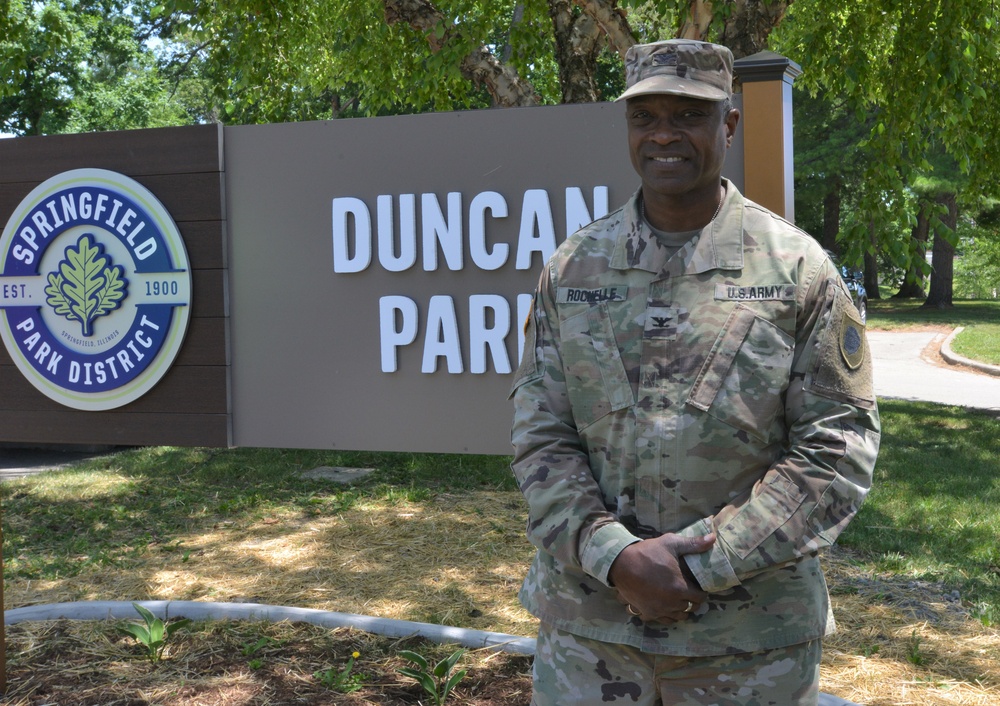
x,y
694,421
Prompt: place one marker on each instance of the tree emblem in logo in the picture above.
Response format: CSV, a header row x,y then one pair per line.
x,y
87,285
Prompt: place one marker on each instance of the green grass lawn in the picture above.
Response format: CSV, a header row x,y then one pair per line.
x,y
980,342
112,508
934,509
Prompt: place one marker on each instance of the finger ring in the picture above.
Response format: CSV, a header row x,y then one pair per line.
x,y
631,610
690,606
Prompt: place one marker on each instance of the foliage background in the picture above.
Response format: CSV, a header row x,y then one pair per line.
x,y
896,109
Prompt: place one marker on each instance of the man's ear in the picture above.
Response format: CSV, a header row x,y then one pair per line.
x,y
732,120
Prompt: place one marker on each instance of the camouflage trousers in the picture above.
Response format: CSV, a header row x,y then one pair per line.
x,y
575,671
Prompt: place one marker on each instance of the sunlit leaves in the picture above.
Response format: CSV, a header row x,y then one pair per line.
x,y
926,69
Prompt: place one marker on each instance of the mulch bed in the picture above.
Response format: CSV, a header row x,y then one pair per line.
x,y
73,663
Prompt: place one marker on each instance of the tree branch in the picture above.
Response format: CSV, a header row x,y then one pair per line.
x,y
611,19
479,66
698,21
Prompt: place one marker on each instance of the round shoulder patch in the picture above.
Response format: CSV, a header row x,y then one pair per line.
x,y
852,340
95,289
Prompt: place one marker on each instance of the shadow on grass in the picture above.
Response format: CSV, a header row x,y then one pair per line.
x,y
204,524
903,313
934,508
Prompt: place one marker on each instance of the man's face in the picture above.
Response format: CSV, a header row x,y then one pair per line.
x,y
678,144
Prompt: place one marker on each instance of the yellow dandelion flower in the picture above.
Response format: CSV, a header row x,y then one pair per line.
x,y
355,655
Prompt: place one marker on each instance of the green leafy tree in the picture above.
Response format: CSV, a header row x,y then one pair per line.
x,y
40,58
977,271
828,165
923,75
83,65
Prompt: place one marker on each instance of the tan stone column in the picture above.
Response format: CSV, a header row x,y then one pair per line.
x,y
768,165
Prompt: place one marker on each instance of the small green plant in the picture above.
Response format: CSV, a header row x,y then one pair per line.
x,y
344,681
154,634
438,682
987,613
914,655
249,649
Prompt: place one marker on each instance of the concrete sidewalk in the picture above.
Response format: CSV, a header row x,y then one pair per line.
x,y
17,462
903,369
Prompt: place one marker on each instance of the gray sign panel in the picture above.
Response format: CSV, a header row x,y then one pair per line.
x,y
381,269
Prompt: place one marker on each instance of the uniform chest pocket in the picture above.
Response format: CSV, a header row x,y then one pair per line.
x,y
595,375
743,380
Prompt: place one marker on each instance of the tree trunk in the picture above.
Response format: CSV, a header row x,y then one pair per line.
x,y
577,47
831,218
480,66
943,256
612,21
871,266
913,280
698,20
747,28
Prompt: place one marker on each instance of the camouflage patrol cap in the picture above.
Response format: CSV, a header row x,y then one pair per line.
x,y
681,67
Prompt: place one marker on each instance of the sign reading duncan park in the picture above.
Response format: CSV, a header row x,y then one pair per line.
x,y
381,269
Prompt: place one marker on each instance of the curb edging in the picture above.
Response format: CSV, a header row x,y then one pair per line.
x,y
200,610
950,356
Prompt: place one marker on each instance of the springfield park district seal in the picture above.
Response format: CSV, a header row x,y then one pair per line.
x,y
95,289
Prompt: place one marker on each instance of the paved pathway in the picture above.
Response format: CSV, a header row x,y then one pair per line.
x,y
20,462
902,372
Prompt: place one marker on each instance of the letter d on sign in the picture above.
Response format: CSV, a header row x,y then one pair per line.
x,y
343,259
391,337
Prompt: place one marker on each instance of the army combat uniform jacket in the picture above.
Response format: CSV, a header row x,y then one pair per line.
x,y
726,389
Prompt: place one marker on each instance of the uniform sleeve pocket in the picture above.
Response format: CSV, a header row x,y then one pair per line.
x,y
774,503
595,375
745,375
528,369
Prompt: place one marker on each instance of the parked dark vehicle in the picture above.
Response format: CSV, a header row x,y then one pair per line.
x,y
855,281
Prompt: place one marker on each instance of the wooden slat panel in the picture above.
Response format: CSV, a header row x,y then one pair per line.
x,y
11,195
208,296
188,197
205,343
172,150
117,429
182,167
205,242
191,389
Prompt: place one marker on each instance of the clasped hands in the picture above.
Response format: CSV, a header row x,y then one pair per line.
x,y
654,582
